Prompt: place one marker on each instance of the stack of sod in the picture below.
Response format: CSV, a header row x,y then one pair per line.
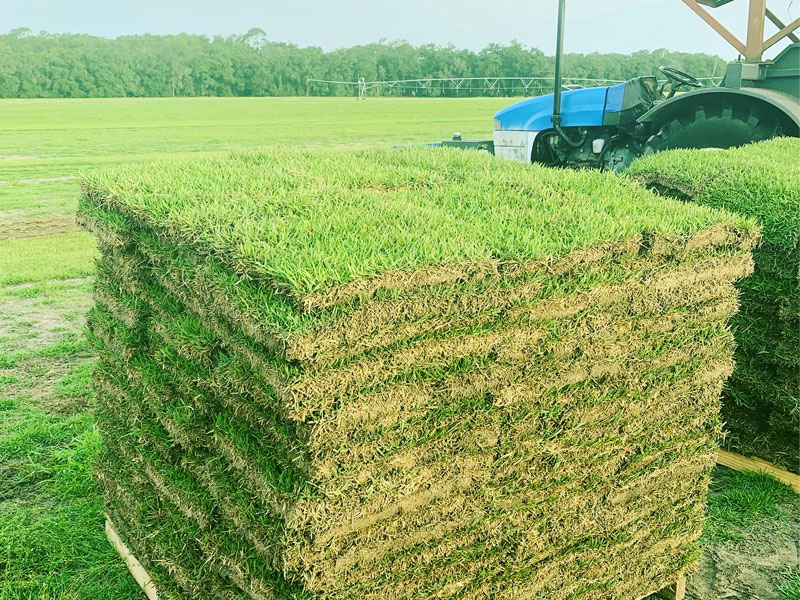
x,y
407,374
762,181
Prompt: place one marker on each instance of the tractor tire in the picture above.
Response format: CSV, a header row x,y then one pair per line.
x,y
716,125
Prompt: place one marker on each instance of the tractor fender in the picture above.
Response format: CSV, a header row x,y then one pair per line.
x,y
784,104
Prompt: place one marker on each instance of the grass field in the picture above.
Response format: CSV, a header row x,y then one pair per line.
x,y
52,544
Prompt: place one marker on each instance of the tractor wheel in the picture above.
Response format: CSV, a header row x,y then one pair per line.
x,y
716,125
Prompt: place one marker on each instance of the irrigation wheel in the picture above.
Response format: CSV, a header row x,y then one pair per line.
x,y
722,125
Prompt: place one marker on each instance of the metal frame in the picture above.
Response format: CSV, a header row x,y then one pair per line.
x,y
558,86
753,49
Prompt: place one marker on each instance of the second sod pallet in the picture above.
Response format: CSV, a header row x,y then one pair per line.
x,y
761,181
407,374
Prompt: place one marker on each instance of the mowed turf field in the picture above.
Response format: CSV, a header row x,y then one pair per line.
x,y
52,544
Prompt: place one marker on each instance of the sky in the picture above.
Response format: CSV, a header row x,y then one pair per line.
x,y
592,25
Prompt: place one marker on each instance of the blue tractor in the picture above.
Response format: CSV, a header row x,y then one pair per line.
x,y
609,127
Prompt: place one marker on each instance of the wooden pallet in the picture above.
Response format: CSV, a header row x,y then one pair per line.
x,y
676,591
134,566
742,463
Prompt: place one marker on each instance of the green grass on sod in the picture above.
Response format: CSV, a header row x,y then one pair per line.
x,y
305,221
760,181
46,144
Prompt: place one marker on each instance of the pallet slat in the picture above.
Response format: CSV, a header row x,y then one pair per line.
x,y
134,566
742,463
676,591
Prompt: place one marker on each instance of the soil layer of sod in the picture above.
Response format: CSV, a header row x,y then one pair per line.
x,y
762,399
407,374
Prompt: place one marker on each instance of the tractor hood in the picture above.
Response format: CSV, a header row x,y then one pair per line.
x,y
579,108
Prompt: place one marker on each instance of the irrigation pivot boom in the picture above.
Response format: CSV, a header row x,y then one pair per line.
x,y
608,127
460,86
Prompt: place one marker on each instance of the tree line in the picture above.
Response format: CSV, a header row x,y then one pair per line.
x,y
49,65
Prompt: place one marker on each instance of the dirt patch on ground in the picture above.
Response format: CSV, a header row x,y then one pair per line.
x,y
738,575
753,568
19,157
41,332
37,226
32,316
39,384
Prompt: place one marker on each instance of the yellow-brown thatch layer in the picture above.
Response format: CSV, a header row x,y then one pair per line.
x,y
683,286
355,330
445,497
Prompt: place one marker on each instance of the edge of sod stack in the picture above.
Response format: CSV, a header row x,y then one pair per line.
x,y
407,374
761,181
